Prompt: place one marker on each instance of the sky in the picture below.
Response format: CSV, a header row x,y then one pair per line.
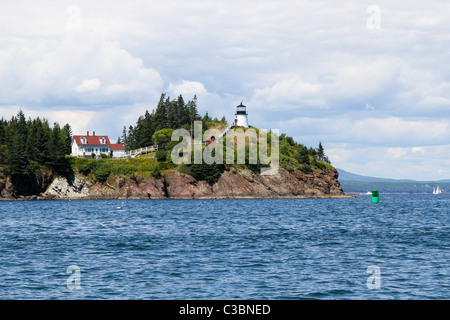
x,y
370,80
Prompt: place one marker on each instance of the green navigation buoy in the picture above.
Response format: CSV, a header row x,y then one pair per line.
x,y
375,196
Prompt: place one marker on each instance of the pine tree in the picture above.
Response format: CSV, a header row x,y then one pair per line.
x,y
302,155
320,152
66,137
18,163
125,138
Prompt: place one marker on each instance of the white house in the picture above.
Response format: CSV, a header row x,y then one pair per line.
x,y
85,145
118,150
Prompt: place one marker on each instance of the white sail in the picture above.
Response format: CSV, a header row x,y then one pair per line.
x,y
437,190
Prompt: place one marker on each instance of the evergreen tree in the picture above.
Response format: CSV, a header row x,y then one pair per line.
x,y
18,163
125,138
168,114
66,137
161,113
302,155
320,152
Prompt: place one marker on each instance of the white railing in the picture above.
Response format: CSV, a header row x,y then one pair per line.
x,y
224,132
140,151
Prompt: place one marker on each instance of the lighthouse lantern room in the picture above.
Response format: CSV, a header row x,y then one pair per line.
x,y
241,116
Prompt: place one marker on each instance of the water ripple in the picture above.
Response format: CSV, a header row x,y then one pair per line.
x,y
226,249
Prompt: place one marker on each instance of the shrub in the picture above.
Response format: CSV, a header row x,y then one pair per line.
x,y
289,169
207,172
125,170
185,169
102,171
319,164
306,168
84,167
156,173
171,144
161,155
103,156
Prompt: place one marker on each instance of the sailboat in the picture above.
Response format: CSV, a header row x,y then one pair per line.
x,y
437,190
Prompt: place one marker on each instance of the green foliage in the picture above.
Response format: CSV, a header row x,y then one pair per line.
x,y
84,166
319,164
184,169
207,172
115,167
302,155
168,115
171,144
103,156
156,173
162,137
289,168
23,142
102,171
161,155
306,168
320,152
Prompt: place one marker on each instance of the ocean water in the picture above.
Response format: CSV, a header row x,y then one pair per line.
x,y
226,249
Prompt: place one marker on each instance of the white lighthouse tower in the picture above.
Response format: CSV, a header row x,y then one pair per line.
x,y
241,116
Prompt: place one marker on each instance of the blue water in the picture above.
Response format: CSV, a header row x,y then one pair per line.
x,y
226,249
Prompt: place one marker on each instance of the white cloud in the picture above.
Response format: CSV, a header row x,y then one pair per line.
x,y
187,88
289,93
420,150
88,85
81,68
311,68
78,119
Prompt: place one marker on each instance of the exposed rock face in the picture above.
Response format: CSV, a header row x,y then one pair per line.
x,y
20,188
241,184
63,188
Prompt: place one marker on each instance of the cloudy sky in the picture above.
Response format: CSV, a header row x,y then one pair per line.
x,y
369,79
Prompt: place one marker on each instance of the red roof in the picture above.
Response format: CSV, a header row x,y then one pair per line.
x,y
117,146
92,140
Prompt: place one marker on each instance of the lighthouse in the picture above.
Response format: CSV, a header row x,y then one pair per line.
x,y
241,116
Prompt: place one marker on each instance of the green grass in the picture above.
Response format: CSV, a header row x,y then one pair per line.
x,y
101,169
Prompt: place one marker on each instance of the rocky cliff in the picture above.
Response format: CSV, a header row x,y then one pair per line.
x,y
241,183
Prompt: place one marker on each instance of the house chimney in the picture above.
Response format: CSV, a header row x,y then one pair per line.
x,y
88,133
93,133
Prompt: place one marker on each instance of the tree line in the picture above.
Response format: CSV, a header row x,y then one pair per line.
x,y
26,144
168,114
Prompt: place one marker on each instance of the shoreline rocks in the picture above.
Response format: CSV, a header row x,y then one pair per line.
x,y
239,184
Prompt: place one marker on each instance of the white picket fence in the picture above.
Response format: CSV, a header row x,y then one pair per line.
x,y
141,151
224,132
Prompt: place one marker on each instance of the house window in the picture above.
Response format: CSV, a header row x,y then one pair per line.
x,y
83,140
103,140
